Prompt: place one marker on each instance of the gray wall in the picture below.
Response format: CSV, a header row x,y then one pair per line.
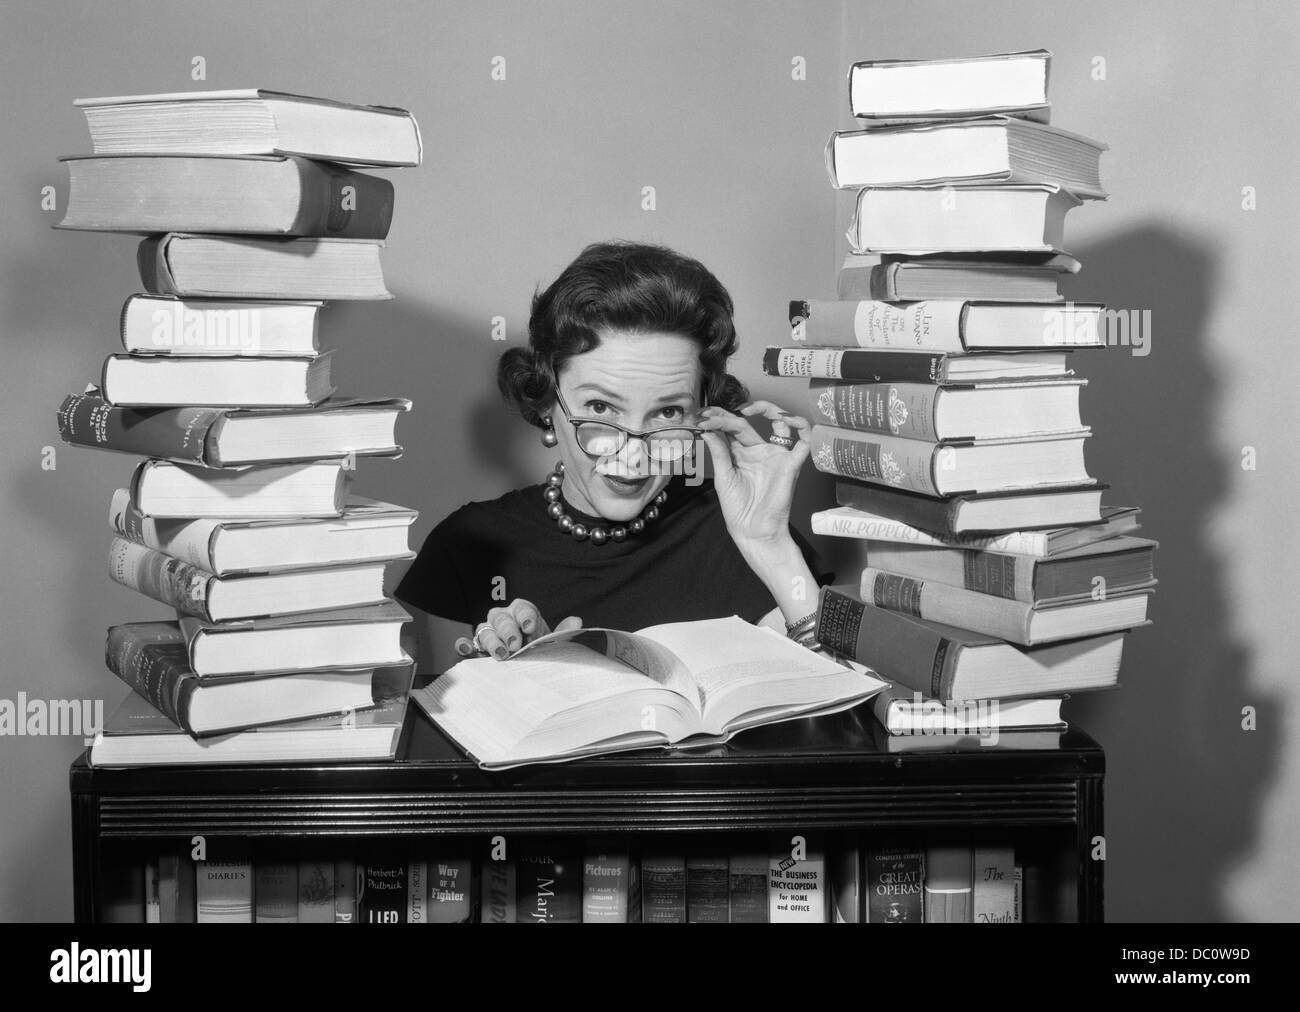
x,y
697,100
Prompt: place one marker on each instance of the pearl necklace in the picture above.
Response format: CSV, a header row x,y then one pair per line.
x,y
598,534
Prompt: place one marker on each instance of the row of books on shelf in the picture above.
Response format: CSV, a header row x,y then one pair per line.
x,y
242,516
778,880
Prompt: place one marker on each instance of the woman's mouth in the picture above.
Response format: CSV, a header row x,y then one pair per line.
x,y
628,488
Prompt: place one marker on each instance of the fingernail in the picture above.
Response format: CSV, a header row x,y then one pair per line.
x,y
463,648
500,653
513,643
526,625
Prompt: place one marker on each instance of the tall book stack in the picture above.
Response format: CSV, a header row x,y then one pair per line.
x,y
242,516
943,400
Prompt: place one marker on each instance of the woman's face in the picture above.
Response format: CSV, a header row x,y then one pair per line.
x,y
639,381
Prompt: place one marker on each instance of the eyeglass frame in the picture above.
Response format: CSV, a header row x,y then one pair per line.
x,y
697,434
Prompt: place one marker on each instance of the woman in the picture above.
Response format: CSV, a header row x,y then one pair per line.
x,y
625,374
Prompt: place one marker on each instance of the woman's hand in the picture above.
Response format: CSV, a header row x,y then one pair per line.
x,y
755,479
509,628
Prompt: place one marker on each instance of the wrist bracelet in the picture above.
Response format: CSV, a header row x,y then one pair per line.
x,y
805,625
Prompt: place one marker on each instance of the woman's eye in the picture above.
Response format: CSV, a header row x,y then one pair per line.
x,y
673,413
597,407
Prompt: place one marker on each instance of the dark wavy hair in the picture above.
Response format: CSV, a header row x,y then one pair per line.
x,y
625,286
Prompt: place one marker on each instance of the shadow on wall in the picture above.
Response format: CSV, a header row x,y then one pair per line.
x,y
1185,781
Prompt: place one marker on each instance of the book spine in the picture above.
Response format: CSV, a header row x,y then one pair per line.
x,y
747,888
663,889
898,649
549,890
171,581
341,204
933,325
899,409
381,892
451,891
417,893
797,885
870,527
498,892
606,888
894,886
181,434
994,898
224,892
159,672
707,889
999,575
151,261
193,542
316,892
345,892
883,460
937,602
855,364
927,514
276,893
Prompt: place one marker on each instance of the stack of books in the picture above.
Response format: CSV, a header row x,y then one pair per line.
x,y
943,400
241,516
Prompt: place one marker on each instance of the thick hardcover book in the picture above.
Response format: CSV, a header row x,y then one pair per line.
x,y
153,381
417,892
946,326
1003,218
594,691
194,591
951,467
847,883
663,888
381,891
258,194
707,888
936,412
224,892
269,492
850,522
176,885
946,663
747,887
895,875
1118,565
229,437
993,512
243,267
151,657
548,887
904,90
901,278
252,121
367,531
870,366
276,892
165,325
366,637
1016,621
960,151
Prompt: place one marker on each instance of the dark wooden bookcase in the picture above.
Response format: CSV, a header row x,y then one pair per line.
x,y
832,775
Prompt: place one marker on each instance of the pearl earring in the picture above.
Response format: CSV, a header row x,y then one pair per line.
x,y
549,438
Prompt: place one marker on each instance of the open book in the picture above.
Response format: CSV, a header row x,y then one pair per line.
x,y
590,692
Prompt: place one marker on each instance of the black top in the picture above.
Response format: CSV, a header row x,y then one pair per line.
x,y
684,566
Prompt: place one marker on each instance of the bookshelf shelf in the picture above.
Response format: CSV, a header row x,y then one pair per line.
x,y
831,774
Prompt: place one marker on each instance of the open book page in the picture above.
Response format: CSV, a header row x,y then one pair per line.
x,y
557,700
647,656
745,670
